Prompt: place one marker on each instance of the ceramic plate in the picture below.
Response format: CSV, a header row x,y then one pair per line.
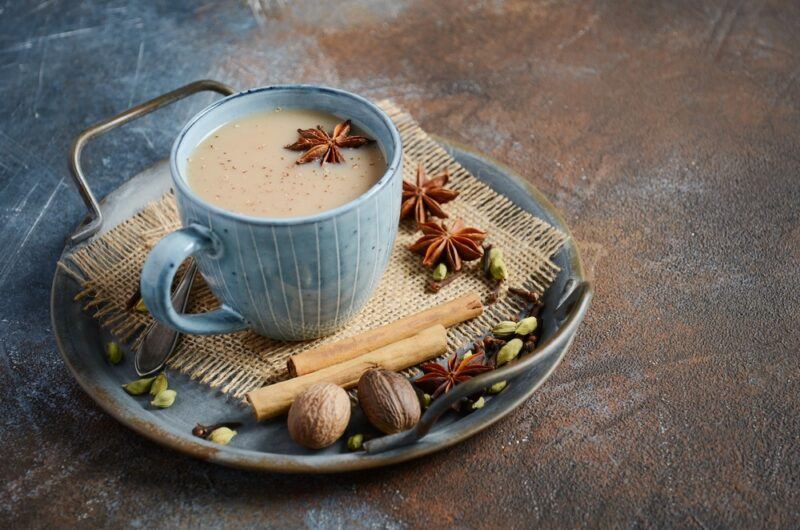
x,y
267,446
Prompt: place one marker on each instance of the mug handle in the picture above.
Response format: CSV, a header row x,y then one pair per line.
x,y
156,284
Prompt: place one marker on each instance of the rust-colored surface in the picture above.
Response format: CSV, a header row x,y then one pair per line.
x,y
666,133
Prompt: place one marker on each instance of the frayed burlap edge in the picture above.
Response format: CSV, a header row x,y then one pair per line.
x,y
108,271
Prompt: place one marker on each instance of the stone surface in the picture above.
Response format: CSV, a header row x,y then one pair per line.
x,y
668,135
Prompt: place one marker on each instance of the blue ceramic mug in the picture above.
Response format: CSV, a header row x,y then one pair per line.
x,y
291,279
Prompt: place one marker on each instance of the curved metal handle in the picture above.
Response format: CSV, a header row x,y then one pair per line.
x,y
96,216
576,299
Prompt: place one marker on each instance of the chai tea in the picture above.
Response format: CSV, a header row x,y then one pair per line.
x,y
245,167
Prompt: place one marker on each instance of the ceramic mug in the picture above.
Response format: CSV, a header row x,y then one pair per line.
x,y
291,278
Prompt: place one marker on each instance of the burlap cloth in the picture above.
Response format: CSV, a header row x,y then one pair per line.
x,y
108,270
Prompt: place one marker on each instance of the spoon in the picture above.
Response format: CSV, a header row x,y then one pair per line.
x,y
159,341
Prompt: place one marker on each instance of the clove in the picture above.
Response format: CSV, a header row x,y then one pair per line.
x,y
530,296
204,431
435,286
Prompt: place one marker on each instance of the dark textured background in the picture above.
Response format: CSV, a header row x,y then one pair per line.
x,y
667,133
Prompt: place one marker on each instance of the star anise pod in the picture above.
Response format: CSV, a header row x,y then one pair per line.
x,y
439,379
426,196
453,245
318,144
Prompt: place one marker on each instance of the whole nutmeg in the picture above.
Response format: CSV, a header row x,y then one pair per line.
x,y
388,400
319,416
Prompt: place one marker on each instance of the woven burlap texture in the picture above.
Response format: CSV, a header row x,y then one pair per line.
x,y
108,269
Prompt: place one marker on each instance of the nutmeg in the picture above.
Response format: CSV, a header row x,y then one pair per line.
x,y
388,400
319,416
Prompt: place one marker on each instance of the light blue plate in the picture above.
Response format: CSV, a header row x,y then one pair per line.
x,y
267,446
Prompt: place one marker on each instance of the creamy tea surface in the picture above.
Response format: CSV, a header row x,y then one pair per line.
x,y
244,167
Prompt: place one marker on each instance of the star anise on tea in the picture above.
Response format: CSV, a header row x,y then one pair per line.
x,y
451,245
319,145
426,196
438,379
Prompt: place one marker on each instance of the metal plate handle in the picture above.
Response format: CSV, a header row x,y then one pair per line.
x,y
95,215
570,312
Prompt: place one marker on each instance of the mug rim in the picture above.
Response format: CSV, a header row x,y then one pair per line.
x,y
391,167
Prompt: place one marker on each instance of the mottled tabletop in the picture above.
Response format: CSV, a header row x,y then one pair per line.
x,y
667,133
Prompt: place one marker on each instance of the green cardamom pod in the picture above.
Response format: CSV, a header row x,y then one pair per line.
x,y
509,351
497,387
140,307
159,384
426,401
440,272
495,253
355,442
505,328
139,387
478,404
497,268
164,399
526,326
222,435
113,353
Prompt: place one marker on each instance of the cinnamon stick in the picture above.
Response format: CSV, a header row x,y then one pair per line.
x,y
273,400
447,314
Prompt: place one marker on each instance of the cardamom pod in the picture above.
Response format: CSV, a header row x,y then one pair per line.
x,y
509,351
478,404
505,328
497,387
355,442
426,401
164,399
526,326
140,307
113,353
159,384
139,387
440,272
497,268
222,435
495,253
